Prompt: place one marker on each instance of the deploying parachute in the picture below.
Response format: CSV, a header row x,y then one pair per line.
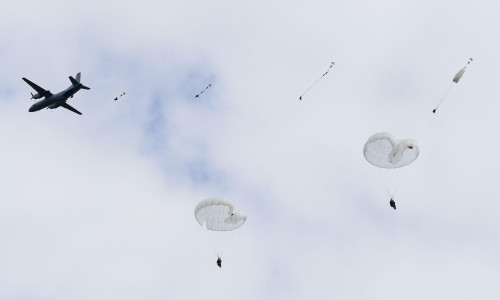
x,y
208,86
219,217
324,74
455,80
383,150
121,95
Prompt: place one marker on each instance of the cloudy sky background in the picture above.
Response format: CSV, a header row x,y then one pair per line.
x,y
100,206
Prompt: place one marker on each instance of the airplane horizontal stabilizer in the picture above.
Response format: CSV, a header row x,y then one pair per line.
x,y
85,87
69,107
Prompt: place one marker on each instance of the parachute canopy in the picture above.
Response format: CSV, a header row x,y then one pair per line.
x,y
458,75
383,150
218,214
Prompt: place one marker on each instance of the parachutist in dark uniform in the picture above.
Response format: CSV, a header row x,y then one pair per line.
x,y
116,98
219,262
392,203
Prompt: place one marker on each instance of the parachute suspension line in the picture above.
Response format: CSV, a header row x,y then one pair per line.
x,y
324,74
208,86
221,242
229,242
391,182
392,195
444,96
468,62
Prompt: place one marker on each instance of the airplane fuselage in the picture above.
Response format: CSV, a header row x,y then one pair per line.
x,y
55,100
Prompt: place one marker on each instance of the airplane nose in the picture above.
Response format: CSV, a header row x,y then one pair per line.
x,y
32,108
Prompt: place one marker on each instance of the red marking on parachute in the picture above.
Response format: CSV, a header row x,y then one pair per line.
x,y
411,147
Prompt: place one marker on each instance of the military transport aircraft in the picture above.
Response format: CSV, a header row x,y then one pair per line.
x,y
55,100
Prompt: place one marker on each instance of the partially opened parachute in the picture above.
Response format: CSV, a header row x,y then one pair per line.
x,y
218,214
459,75
455,80
383,150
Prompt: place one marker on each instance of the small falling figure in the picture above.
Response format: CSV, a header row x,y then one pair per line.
x,y
219,262
122,94
455,80
208,86
393,204
324,74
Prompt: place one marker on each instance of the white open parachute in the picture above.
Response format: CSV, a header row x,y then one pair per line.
x,y
383,150
218,214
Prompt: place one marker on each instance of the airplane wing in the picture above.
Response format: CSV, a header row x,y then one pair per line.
x,y
67,106
35,87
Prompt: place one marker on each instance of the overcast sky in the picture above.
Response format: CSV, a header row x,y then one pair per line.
x,y
100,206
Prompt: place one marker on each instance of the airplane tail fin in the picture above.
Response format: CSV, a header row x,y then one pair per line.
x,y
73,80
77,81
